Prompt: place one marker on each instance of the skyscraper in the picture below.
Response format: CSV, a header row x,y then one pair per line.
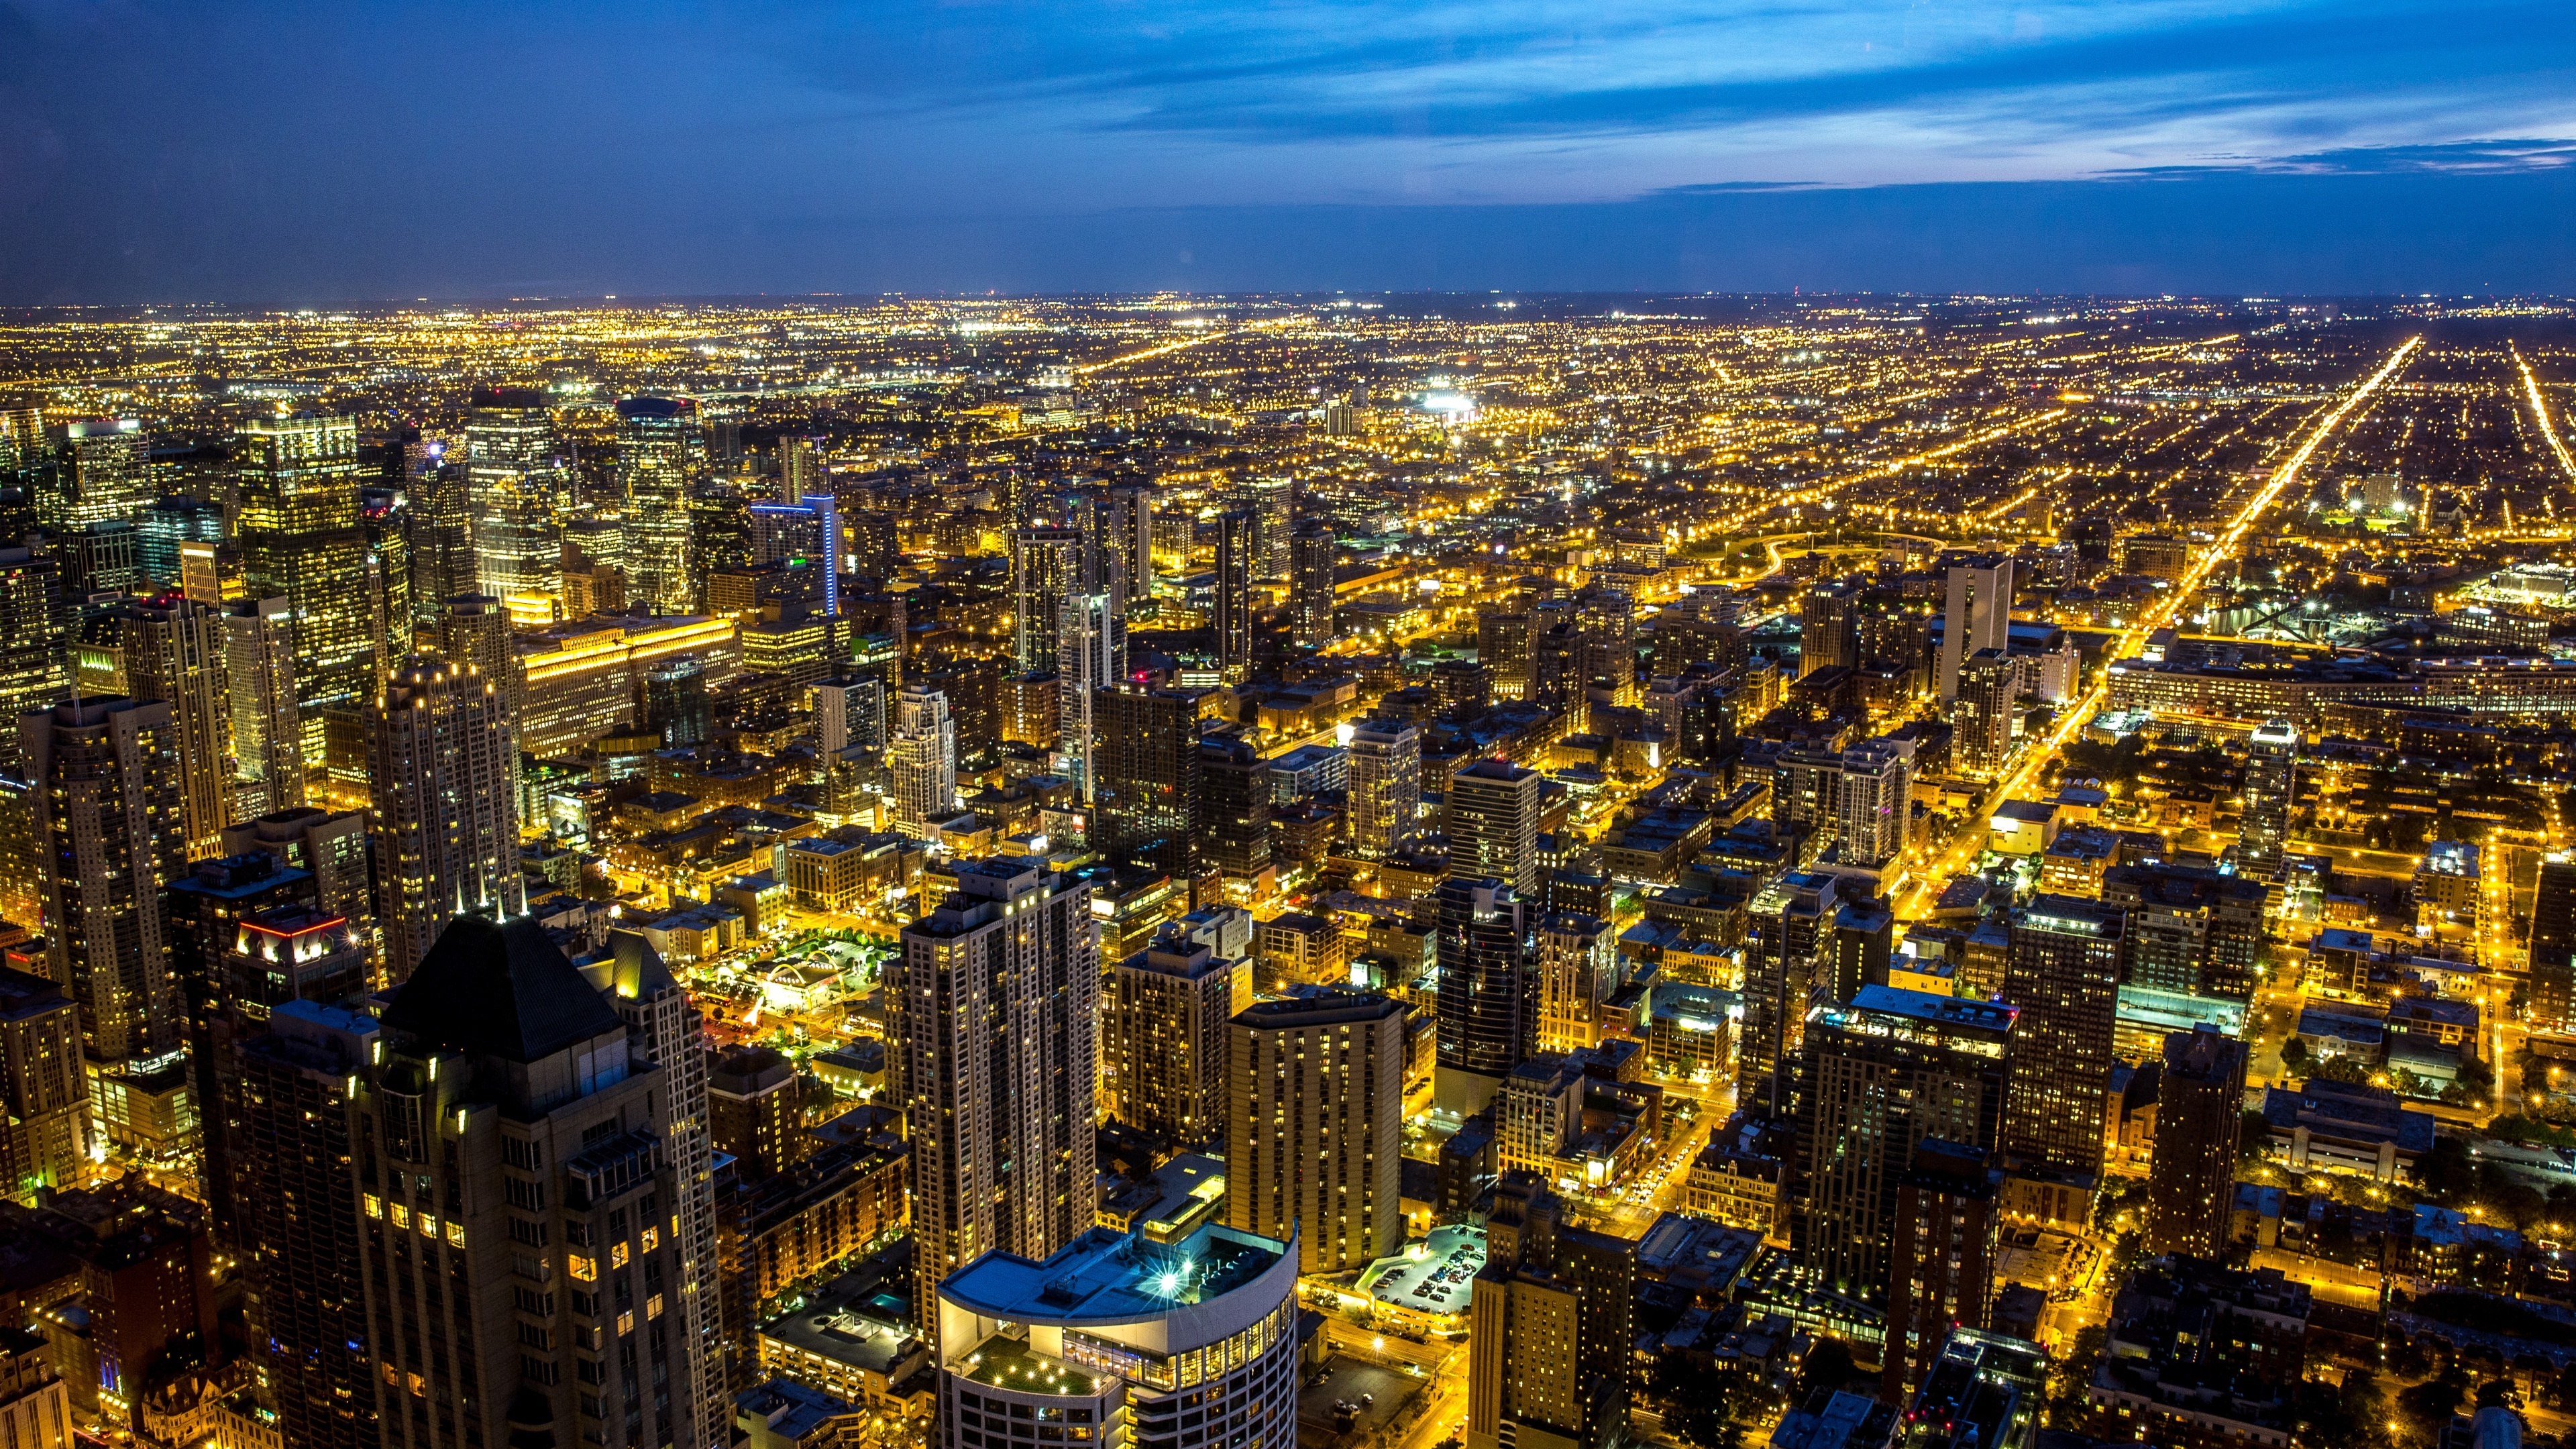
x,y
1981,711
1315,1133
992,1004
176,653
299,1223
2200,1109
45,1139
1493,824
1977,616
1147,806
100,474
1787,947
111,828
517,487
1503,646
1874,800
1310,585
1941,1261
444,799
1126,523
1486,1015
2552,949
1829,626
924,759
2063,971
1385,786
1551,1326
1234,807
1046,567
34,662
1091,655
507,1081
1163,1015
2271,792
1232,624
659,450
267,728
1606,644
442,534
301,541
1577,969
1877,1077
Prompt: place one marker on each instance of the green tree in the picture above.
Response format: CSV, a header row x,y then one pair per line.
x,y
2426,1408
1828,1365
2067,1407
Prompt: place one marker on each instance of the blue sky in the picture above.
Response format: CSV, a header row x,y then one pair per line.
x,y
252,150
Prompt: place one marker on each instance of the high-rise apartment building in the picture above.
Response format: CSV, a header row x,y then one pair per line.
x,y
334,848
2062,970
2189,930
1874,800
992,1008
1235,804
1163,1015
2271,792
1091,655
1976,616
35,665
45,1141
1235,571
176,653
441,518
1942,1260
515,1133
1487,1019
267,723
517,487
1578,970
1788,946
444,802
1551,1326
1046,568
1606,644
1310,585
1981,712
1493,824
1503,645
301,541
2551,954
659,453
1315,1133
1877,1077
298,1222
1145,746
100,473
1385,785
1829,626
111,827
923,759
2200,1109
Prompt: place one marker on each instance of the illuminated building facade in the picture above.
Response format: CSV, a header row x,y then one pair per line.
x,y
1315,1129
444,804
659,454
300,538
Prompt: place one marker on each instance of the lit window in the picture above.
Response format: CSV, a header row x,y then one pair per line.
x,y
652,1239
429,1225
626,1323
617,1255
582,1268
401,1216
455,1233
375,1206
653,1306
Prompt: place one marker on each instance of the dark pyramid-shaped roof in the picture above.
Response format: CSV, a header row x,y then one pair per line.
x,y
499,990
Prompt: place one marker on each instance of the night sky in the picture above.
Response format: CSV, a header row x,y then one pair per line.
x,y
247,151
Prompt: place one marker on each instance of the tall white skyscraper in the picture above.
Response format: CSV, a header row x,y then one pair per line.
x,y
924,762
1385,789
444,798
268,745
1978,616
992,1008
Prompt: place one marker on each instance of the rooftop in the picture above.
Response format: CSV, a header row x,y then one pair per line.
x,y
1110,1276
